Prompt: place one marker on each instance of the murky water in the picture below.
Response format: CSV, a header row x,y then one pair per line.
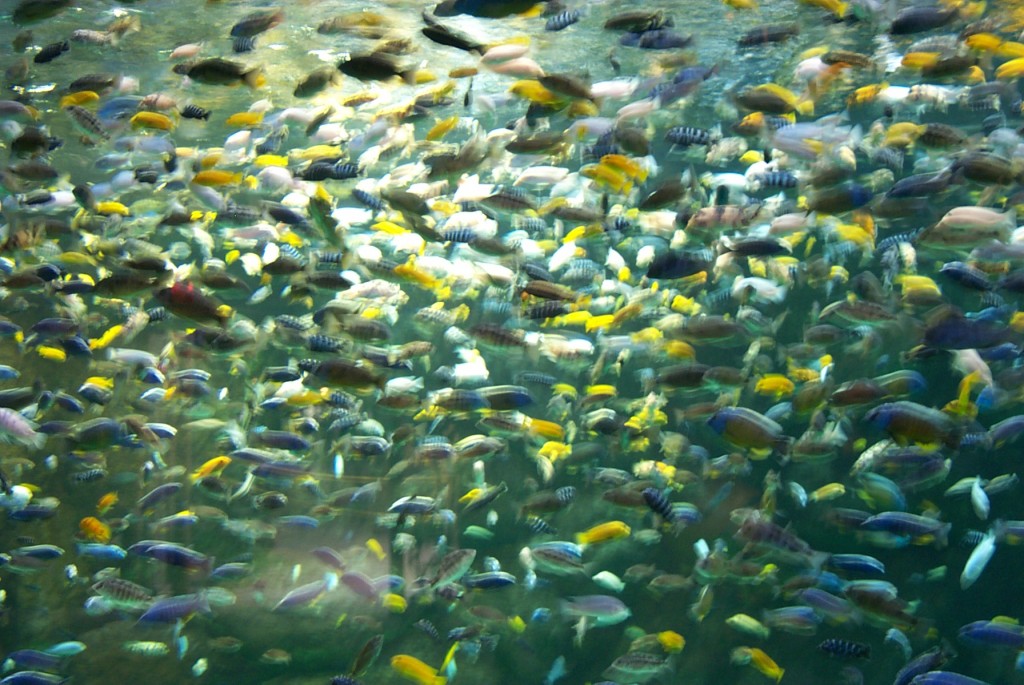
x,y
592,451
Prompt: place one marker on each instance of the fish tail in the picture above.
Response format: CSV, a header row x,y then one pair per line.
x,y
409,76
255,78
805,106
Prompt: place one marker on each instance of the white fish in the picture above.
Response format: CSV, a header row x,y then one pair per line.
x,y
16,428
541,175
500,53
146,648
978,560
556,672
797,492
616,88
979,499
185,51
519,66
609,581
901,639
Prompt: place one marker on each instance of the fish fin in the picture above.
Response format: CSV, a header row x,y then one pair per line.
x,y
255,78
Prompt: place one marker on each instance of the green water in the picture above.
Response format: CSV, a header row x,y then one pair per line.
x,y
510,641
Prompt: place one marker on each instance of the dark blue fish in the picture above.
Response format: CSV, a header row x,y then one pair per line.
x,y
96,550
489,580
330,557
672,264
428,628
174,554
846,649
42,552
659,504
32,678
231,571
280,439
34,659
992,633
76,346
945,678
158,494
118,108
55,326
685,136
657,39
956,332
922,663
172,609
243,44
281,374
966,275
861,563
563,20
368,199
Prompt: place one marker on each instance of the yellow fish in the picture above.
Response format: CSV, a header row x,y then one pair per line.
x,y
759,660
111,207
396,604
834,6
827,492
598,393
82,97
553,450
307,398
211,466
920,60
544,429
866,94
749,625
411,668
774,385
607,177
442,128
598,322
154,120
1011,70
245,119
603,532
217,177
53,354
377,550
671,641
271,160
535,93
109,336
626,165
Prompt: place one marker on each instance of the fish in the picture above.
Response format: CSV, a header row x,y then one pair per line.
x,y
845,649
367,655
757,658
221,72
257,23
316,80
453,566
454,323
411,668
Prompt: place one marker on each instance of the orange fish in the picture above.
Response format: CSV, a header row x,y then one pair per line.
x,y
106,502
94,530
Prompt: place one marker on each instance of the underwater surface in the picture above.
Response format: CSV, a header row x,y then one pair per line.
x,y
501,342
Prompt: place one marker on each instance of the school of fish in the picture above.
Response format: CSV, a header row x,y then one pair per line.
x,y
511,342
